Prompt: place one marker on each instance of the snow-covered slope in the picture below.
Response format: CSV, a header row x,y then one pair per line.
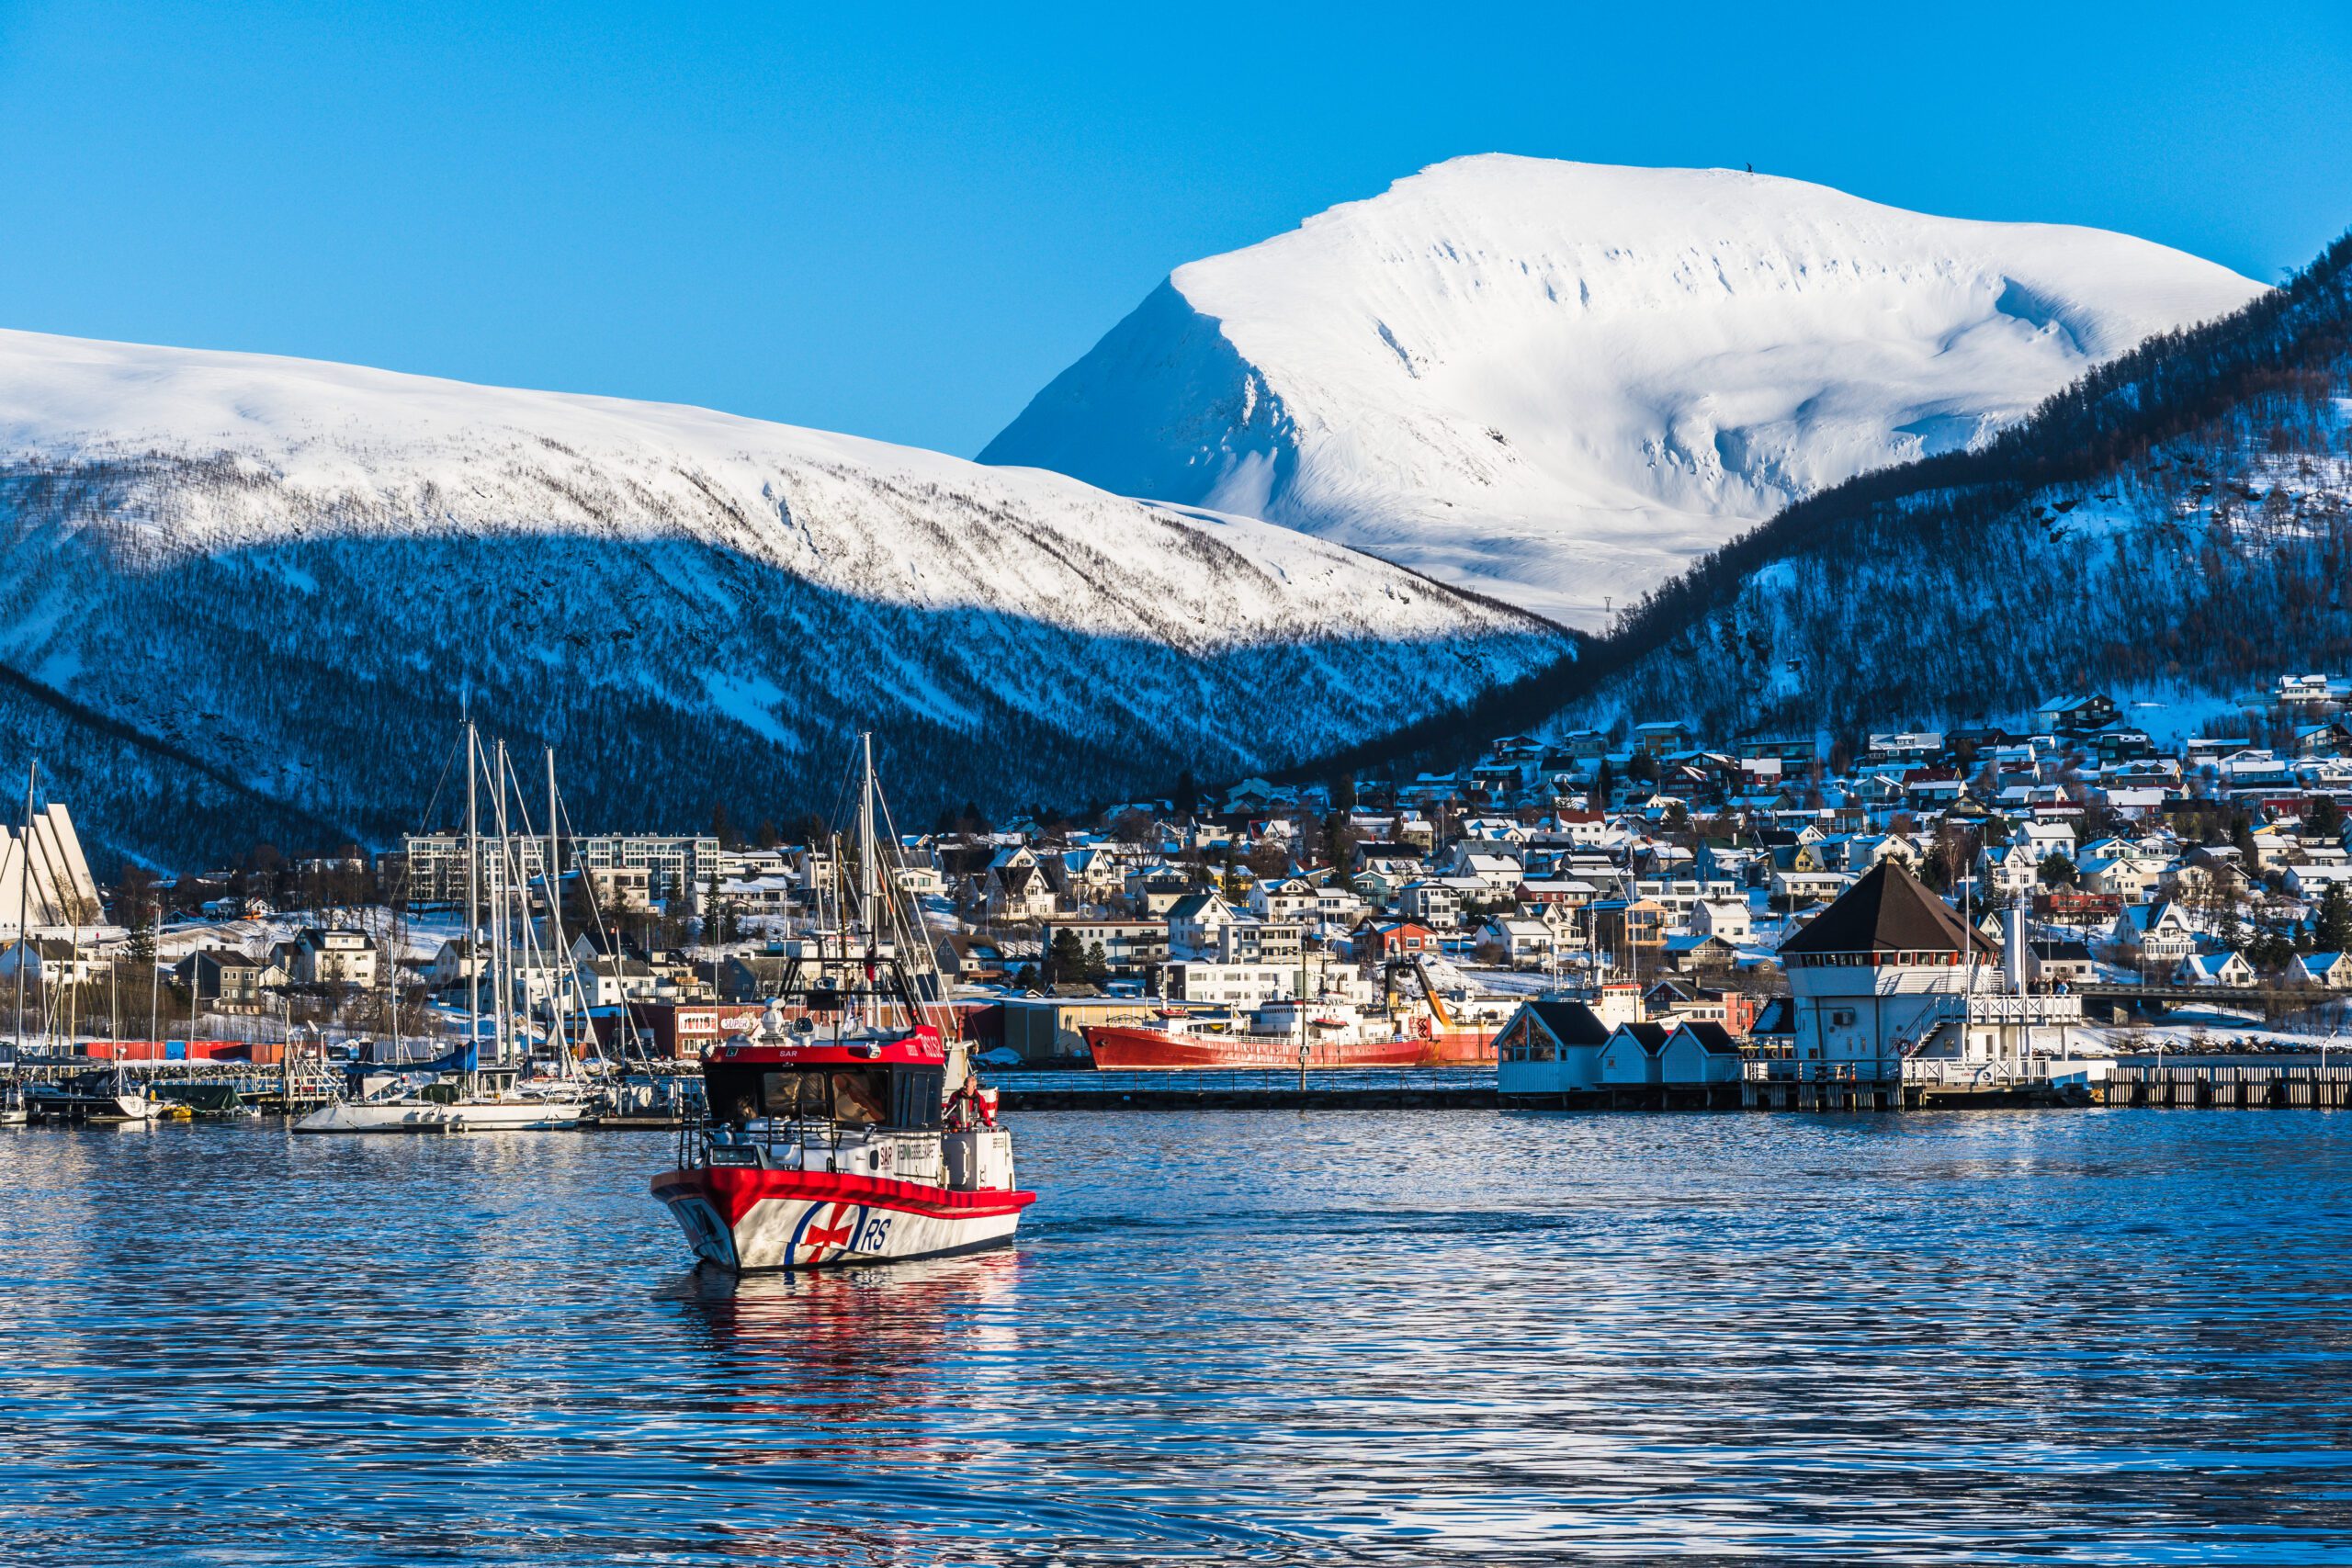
x,y
2172,532
273,580
1557,382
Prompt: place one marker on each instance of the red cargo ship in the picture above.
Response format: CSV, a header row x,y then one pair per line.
x,y
1329,1035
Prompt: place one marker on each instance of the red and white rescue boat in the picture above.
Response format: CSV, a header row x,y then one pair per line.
x,y
824,1149
854,1133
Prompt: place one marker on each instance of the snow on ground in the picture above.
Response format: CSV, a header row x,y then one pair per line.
x,y
1557,382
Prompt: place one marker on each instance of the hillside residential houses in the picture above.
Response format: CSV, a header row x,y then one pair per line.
x,y
1707,871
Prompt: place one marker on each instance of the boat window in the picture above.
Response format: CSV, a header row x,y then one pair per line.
x,y
915,1096
857,1099
734,1094
797,1096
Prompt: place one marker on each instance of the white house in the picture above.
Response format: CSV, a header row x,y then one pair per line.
x,y
1284,898
2013,870
2330,969
2161,933
2213,969
1194,921
47,961
1521,940
1433,903
2127,875
333,956
1729,919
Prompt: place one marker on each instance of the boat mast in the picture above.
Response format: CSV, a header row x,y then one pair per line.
x,y
501,979
473,916
23,894
865,849
555,916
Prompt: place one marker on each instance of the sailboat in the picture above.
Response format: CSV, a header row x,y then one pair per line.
x,y
498,1095
854,1131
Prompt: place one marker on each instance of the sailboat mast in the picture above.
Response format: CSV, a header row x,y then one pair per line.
x,y
473,903
502,979
555,954
866,848
23,895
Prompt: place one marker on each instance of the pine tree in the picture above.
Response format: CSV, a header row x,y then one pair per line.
x,y
1066,960
2332,929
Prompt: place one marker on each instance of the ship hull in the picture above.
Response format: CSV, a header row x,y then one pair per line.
x,y
1115,1048
748,1219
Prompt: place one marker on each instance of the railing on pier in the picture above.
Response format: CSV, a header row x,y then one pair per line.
x,y
1939,1071
2241,1085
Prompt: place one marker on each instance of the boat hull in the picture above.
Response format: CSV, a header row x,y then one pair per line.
x,y
750,1220
75,1107
420,1116
1114,1047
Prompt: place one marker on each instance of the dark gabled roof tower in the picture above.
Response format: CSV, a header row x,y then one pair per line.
x,y
1889,910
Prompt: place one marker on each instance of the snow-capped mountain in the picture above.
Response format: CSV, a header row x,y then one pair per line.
x,y
2172,531
242,589
1561,382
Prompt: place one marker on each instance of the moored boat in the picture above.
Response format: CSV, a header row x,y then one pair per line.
x,y
476,1111
91,1097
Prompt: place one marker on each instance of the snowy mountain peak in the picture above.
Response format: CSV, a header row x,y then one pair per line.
x,y
1558,381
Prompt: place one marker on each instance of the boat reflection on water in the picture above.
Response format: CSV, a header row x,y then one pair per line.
x,y
839,1347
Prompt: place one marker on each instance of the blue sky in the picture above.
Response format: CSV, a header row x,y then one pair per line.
x,y
901,222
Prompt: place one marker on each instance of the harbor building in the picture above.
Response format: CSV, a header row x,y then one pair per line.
x,y
1895,1000
1550,1051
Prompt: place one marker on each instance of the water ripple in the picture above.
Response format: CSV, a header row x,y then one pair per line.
x,y
1225,1337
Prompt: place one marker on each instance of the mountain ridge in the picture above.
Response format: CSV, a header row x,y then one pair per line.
x,y
301,574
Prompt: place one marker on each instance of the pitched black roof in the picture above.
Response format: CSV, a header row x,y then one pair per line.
x,y
1648,1036
1712,1037
1571,1024
1888,910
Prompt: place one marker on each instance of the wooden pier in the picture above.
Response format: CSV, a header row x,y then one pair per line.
x,y
2234,1086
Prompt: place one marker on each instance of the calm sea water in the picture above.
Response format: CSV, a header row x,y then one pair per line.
x,y
2111,1337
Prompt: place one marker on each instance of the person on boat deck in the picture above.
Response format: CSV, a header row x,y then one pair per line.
x,y
854,1104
